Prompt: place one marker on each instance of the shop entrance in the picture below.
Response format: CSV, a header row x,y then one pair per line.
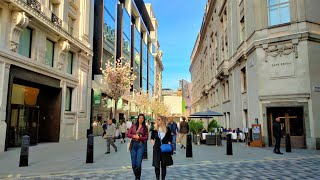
x,y
34,108
292,122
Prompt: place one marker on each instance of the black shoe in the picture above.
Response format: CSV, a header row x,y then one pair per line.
x,y
279,152
116,149
107,153
274,151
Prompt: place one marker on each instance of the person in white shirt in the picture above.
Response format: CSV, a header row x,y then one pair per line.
x,y
123,130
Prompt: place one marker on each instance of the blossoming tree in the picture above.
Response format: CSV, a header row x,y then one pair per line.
x,y
117,80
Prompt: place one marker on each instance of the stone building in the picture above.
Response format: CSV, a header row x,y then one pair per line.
x,y
45,69
258,60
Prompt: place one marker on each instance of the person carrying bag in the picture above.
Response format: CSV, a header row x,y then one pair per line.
x,y
161,139
139,136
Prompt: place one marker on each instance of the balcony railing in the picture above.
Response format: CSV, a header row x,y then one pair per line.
x,y
34,4
56,20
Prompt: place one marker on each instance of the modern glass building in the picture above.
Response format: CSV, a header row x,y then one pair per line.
x,y
123,30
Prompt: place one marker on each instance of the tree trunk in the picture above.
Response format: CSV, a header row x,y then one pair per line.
x,y
115,110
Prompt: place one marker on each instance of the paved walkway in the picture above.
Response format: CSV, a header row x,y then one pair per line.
x,y
66,160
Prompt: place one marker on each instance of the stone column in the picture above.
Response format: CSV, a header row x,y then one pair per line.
x,y
4,79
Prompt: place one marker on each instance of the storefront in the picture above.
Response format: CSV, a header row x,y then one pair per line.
x,y
30,111
293,122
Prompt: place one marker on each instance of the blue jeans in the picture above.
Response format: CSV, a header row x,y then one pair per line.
x,y
174,142
136,152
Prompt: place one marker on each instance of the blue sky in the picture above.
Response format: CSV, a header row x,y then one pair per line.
x,y
179,24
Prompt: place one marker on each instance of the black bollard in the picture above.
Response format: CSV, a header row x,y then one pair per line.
x,y
189,146
24,154
145,154
288,143
90,149
229,144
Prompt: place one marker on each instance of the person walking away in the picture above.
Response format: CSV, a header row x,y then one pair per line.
x,y
139,135
277,135
161,135
184,130
174,131
110,135
104,127
123,130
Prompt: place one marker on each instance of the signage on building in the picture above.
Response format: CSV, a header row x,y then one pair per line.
x,y
108,33
316,88
96,97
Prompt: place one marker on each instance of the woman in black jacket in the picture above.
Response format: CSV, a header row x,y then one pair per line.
x,y
161,160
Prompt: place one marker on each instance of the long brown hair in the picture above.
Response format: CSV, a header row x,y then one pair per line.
x,y
156,127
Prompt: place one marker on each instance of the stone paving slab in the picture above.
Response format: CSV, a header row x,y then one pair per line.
x,y
52,159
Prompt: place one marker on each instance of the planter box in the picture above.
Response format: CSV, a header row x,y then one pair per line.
x,y
213,140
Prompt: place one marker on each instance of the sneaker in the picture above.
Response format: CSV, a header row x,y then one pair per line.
x,y
107,153
174,152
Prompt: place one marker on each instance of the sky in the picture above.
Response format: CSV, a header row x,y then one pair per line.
x,y
179,24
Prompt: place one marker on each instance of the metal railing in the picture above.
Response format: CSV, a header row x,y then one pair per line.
x,y
56,20
34,4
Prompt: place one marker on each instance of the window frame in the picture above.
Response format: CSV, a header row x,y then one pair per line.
x,y
278,10
72,56
70,101
53,44
30,44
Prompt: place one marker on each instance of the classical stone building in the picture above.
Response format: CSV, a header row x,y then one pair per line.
x,y
45,68
129,31
258,60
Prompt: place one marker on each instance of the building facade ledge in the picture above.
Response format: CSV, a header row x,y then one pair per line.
x,y
42,18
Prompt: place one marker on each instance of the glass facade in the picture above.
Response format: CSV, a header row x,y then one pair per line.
x,y
137,44
68,99
151,74
126,39
145,67
109,24
25,42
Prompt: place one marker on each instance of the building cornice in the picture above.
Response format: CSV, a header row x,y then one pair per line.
x,y
18,60
41,17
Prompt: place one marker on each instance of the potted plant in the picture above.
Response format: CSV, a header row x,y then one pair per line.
x,y
213,139
196,127
213,124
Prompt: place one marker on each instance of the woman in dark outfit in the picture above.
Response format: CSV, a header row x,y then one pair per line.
x,y
160,159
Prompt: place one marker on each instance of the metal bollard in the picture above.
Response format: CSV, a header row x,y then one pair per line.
x,y
24,154
145,154
189,146
229,144
288,143
90,143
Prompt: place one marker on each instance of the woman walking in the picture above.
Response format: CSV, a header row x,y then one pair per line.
x,y
123,130
161,135
139,134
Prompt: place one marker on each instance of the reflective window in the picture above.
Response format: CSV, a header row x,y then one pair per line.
x,y
70,62
49,53
25,42
279,12
109,24
145,66
137,56
126,46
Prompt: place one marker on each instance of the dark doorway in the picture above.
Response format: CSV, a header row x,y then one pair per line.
x,y
292,122
34,108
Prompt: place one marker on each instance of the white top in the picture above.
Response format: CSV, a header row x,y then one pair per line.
x,y
161,134
123,128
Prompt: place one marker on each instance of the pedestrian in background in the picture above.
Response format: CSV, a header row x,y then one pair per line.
x,y
174,131
123,130
110,135
184,130
277,133
139,134
161,135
